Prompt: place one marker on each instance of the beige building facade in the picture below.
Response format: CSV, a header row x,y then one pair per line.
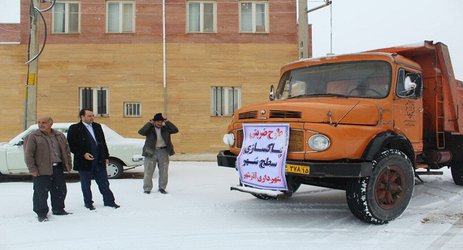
x,y
108,55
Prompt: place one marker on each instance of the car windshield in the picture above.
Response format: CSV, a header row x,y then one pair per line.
x,y
364,79
108,132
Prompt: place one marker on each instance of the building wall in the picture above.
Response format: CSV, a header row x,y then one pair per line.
x,y
130,65
9,33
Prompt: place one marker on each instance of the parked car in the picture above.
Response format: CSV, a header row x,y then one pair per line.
x,y
125,153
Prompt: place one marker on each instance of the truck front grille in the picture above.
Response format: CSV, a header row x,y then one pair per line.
x,y
296,140
284,114
247,115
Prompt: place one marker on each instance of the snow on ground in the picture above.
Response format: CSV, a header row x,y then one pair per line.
x,y
200,212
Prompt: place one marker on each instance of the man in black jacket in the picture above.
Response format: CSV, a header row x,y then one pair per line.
x,y
157,149
87,142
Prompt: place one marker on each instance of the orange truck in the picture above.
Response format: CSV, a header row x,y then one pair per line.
x,y
367,123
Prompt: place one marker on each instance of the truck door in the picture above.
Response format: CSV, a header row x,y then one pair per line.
x,y
408,107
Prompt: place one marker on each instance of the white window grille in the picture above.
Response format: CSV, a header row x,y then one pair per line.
x,y
225,100
132,109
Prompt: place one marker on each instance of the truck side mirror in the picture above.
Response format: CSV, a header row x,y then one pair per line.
x,y
409,84
271,95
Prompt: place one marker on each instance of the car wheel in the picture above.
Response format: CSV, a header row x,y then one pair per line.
x,y
386,194
115,169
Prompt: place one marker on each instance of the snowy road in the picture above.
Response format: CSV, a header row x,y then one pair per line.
x,y
201,213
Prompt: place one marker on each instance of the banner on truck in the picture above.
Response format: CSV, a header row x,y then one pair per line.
x,y
261,162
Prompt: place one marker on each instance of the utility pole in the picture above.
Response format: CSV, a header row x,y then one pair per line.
x,y
303,26
30,111
302,30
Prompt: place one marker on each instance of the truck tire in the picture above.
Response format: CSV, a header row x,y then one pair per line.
x,y
386,194
457,173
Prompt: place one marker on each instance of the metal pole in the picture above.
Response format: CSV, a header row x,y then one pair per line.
x,y
32,75
302,31
164,66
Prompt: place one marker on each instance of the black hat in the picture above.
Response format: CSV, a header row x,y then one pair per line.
x,y
158,117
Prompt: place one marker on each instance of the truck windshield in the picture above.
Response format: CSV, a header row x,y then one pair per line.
x,y
364,79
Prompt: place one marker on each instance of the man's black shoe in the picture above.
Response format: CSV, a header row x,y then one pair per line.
x,y
42,218
113,205
162,191
60,212
147,192
91,207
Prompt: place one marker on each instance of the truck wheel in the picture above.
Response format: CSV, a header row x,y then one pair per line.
x,y
457,173
386,194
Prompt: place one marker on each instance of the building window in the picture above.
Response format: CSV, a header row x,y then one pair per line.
x,y
96,99
201,16
132,109
120,17
66,17
254,17
225,100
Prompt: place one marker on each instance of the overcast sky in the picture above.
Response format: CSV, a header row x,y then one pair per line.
x,y
9,11
360,25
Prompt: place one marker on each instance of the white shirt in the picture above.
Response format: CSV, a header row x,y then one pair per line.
x,y
159,140
90,129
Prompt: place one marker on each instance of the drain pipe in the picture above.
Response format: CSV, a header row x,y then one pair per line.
x,y
164,67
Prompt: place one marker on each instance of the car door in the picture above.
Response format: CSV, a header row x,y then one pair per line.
x,y
15,157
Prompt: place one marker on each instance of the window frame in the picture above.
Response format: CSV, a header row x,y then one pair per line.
x,y
225,103
253,18
120,17
401,75
132,115
95,99
201,17
66,18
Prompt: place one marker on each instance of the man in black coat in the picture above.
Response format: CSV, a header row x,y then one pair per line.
x,y
157,149
87,142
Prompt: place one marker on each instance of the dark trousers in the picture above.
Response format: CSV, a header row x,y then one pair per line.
x,y
101,178
56,185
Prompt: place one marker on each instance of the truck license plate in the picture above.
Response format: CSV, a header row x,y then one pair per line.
x,y
298,169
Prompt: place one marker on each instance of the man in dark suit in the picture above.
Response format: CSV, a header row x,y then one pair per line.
x,y
87,142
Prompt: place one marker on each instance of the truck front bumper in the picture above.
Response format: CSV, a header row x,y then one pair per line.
x,y
317,169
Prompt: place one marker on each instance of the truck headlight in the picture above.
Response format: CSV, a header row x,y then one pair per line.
x,y
319,142
229,139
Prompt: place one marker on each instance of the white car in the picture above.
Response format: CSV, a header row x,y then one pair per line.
x,y
125,153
